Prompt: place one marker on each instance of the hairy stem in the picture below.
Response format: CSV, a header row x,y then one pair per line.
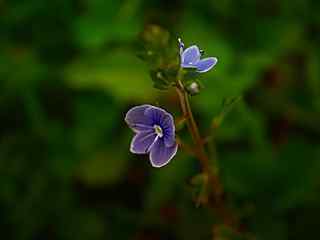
x,y
199,143
216,200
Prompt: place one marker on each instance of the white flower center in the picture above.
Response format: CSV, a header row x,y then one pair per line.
x,y
158,130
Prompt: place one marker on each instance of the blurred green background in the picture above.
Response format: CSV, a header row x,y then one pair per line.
x,y
69,73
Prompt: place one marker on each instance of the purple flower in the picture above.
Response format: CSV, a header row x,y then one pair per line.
x,y
155,133
190,58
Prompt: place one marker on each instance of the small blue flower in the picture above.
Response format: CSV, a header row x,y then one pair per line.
x,y
190,58
155,133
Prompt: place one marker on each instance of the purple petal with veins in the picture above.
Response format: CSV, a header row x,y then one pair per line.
x,y
137,120
165,120
190,57
142,142
160,154
206,64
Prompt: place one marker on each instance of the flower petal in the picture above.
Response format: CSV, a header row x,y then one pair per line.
x,y
169,138
168,130
165,121
206,64
142,142
157,115
161,155
137,120
190,57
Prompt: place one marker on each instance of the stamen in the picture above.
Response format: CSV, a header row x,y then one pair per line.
x,y
158,130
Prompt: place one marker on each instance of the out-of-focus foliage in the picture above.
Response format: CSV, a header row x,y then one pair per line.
x,y
70,69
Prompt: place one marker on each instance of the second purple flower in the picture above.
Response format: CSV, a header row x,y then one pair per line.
x,y
190,58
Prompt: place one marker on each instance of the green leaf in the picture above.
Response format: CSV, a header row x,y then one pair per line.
x,y
163,78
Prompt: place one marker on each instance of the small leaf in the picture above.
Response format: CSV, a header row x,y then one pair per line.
x,y
227,106
163,79
180,123
159,80
190,75
201,191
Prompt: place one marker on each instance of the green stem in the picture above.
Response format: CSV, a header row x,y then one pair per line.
x,y
199,143
216,190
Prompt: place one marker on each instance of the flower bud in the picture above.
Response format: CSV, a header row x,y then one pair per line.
x,y
193,88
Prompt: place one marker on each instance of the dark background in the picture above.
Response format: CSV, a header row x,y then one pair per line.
x,y
68,75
